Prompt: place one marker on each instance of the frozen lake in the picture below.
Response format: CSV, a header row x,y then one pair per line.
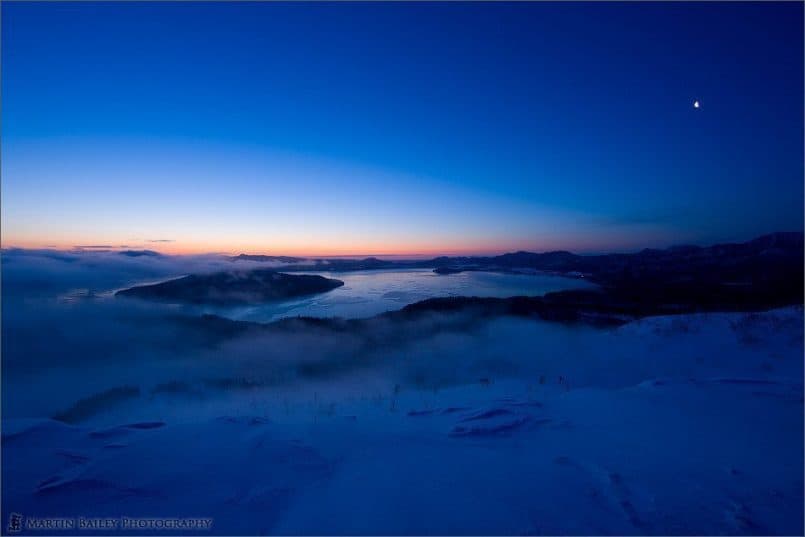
x,y
676,425
370,292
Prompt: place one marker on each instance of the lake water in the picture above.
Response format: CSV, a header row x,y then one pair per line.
x,y
322,420
368,293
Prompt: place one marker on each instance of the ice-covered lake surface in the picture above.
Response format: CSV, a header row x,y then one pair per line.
x,y
370,292
689,424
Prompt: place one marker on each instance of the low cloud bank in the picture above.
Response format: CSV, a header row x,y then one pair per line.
x,y
65,357
45,272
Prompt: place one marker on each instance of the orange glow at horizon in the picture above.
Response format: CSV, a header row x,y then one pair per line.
x,y
235,247
333,245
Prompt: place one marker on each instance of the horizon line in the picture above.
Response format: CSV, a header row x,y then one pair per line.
x,y
400,255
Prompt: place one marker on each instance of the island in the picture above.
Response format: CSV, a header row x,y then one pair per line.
x,y
448,270
233,288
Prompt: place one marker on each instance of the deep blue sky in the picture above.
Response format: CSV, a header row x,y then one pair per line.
x,y
398,128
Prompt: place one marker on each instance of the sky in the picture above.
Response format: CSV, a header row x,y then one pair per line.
x,y
394,128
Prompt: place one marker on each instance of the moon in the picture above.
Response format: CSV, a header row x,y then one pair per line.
x,y
696,104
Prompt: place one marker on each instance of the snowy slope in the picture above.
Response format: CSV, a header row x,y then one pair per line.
x,y
672,425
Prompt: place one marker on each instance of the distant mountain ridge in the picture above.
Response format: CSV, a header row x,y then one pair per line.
x,y
757,275
140,253
737,259
760,274
268,258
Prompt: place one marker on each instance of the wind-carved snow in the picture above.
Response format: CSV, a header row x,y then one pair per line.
x,y
670,425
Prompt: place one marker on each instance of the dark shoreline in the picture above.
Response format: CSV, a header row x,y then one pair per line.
x,y
761,274
420,319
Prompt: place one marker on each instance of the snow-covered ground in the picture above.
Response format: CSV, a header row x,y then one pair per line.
x,y
675,425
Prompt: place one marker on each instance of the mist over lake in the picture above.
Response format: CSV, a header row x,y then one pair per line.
x,y
368,293
402,268
319,416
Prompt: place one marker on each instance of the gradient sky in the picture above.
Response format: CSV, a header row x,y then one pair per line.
x,y
375,128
